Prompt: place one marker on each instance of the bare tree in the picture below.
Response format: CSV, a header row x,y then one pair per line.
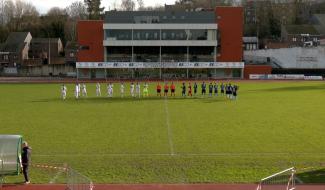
x,y
9,11
77,10
2,12
56,11
141,5
24,9
128,5
116,5
19,15
157,7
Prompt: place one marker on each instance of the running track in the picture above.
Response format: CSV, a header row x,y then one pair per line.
x,y
159,187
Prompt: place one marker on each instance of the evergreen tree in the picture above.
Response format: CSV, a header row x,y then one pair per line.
x,y
94,9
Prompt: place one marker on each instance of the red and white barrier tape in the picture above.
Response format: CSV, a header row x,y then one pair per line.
x,y
49,167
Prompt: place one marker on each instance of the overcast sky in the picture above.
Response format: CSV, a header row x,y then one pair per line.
x,y
44,5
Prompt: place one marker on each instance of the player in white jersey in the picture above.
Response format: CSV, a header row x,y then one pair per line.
x,y
138,90
64,91
110,90
84,90
77,91
132,89
122,89
145,90
98,92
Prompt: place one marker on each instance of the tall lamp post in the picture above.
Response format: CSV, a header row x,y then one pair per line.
x,y
49,48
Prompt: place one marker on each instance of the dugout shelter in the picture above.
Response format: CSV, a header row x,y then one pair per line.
x,y
10,151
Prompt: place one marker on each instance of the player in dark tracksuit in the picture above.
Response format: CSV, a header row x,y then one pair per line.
x,y
215,86
25,161
230,91
227,90
210,89
234,92
195,88
222,89
203,88
183,90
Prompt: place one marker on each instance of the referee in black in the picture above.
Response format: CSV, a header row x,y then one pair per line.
x,y
25,160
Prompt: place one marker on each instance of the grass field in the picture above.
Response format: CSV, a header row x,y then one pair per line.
x,y
272,126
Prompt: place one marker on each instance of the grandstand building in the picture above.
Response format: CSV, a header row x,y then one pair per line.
x,y
297,60
164,44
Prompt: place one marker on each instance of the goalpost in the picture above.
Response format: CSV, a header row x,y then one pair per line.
x,y
77,181
284,180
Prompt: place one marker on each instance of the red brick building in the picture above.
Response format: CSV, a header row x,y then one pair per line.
x,y
150,44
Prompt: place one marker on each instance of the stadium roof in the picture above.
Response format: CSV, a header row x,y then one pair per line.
x,y
301,29
160,17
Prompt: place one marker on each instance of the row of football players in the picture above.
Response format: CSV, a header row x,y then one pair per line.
x,y
135,90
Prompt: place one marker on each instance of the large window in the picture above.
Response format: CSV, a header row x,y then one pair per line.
x,y
146,54
146,35
118,34
198,34
173,54
201,54
173,35
193,34
119,54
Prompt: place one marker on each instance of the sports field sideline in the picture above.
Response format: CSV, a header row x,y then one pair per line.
x,y
272,126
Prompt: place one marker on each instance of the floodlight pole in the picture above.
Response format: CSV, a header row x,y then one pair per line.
x,y
49,48
49,51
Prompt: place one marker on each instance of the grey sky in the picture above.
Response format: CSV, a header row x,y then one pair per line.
x,y
44,5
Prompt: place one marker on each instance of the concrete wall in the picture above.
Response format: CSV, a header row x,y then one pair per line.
x,y
256,69
46,70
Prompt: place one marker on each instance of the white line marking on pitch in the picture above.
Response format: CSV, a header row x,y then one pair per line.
x,y
169,131
181,154
56,176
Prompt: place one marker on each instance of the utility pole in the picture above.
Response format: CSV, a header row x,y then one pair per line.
x,y
256,18
49,51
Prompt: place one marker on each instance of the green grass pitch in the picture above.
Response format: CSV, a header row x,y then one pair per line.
x,y
272,126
